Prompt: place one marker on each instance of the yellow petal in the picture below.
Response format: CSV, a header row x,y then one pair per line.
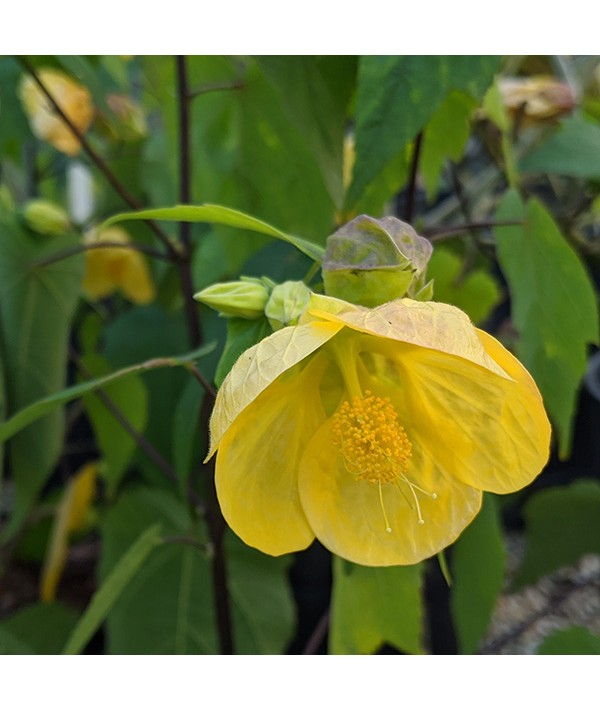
x,y
70,515
348,516
135,282
258,458
428,324
259,366
490,431
73,98
98,281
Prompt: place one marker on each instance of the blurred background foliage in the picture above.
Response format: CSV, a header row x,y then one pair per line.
x,y
111,538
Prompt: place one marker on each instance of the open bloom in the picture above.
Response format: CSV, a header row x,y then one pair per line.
x,y
108,269
373,430
73,98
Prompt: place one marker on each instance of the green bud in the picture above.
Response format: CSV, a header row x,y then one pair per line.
x,y
371,262
246,298
46,218
287,303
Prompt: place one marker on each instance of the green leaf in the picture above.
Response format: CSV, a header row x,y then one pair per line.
x,y
218,215
316,106
178,617
241,335
573,149
476,294
372,606
478,562
42,407
396,96
574,640
115,443
562,524
9,644
36,308
445,137
111,588
553,306
43,628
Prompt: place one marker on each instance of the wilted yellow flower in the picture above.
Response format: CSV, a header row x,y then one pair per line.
x,y
108,269
373,430
73,98
538,97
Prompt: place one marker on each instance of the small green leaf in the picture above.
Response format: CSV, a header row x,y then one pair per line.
x,y
218,215
372,606
553,306
43,628
562,524
42,407
476,294
574,640
478,561
573,149
112,587
187,434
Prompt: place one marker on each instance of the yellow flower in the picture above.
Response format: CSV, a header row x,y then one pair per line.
x,y
73,98
373,430
116,268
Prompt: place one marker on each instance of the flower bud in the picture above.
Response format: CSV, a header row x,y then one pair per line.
x,y
287,303
246,298
46,217
370,262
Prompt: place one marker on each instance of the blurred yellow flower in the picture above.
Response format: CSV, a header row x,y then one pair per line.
x,y
108,269
373,430
73,98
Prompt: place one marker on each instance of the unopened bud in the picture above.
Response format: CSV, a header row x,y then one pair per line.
x,y
246,298
287,303
371,262
46,217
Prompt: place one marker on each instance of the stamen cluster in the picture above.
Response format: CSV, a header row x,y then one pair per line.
x,y
373,443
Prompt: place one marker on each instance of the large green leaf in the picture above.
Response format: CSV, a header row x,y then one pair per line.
x,y
36,307
573,149
42,628
372,606
445,137
219,215
553,306
574,640
478,561
115,443
178,617
396,96
562,524
315,92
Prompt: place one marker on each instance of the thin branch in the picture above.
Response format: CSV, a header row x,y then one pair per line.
x,y
443,233
77,249
318,634
215,86
98,160
412,182
202,379
145,445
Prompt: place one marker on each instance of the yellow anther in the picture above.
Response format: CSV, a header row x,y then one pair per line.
x,y
372,442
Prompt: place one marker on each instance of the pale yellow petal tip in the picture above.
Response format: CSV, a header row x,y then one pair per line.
x,y
384,450
72,97
70,516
